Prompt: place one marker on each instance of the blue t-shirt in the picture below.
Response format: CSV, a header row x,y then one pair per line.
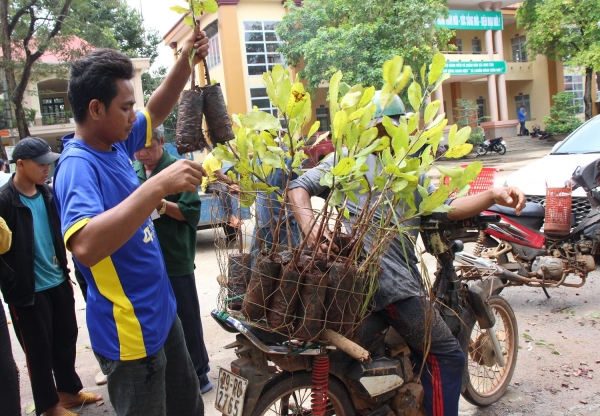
x,y
521,115
130,303
46,269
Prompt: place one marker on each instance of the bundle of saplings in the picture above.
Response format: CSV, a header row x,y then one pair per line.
x,y
304,292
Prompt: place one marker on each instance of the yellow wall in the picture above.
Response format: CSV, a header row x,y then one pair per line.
x,y
250,10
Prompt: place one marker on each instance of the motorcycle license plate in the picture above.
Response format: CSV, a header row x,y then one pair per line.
x,y
231,391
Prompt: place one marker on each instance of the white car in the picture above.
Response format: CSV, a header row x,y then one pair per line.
x,y
579,149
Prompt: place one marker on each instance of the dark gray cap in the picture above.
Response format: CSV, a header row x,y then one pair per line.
x,y
35,149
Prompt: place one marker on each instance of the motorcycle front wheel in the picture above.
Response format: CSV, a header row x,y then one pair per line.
x,y
501,149
487,380
481,151
289,394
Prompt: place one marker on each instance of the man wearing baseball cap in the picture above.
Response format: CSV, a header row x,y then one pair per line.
x,y
34,279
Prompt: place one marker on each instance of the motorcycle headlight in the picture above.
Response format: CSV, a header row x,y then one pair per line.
x,y
503,142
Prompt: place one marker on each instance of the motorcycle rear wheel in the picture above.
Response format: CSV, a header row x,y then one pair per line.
x,y
481,151
501,149
289,394
488,383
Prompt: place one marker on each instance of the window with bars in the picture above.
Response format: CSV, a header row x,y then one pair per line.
x,y
476,46
214,48
458,45
323,116
519,51
261,44
574,85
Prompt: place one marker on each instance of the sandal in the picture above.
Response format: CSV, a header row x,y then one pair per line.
x,y
82,398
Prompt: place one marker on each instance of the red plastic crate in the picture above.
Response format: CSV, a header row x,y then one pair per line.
x,y
483,182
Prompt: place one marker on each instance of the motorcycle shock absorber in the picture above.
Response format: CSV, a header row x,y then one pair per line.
x,y
479,244
320,381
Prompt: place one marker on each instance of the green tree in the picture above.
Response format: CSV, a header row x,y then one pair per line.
x,y
562,118
150,82
358,36
567,31
31,28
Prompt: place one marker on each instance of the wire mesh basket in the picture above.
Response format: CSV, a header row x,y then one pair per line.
x,y
273,284
558,211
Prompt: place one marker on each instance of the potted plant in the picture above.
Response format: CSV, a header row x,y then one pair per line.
x,y
69,114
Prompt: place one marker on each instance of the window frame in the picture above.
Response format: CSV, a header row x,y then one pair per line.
x,y
265,59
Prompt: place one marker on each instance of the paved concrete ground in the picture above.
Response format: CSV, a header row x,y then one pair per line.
x,y
520,151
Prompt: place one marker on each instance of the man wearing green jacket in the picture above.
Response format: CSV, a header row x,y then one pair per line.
x,y
175,223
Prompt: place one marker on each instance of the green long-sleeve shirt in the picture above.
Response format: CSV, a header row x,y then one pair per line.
x,y
177,238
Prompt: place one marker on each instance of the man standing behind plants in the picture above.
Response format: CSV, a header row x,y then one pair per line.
x,y
176,231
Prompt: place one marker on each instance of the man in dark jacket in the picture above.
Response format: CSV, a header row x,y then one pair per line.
x,y
35,284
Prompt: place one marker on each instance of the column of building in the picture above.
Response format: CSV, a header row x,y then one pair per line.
x,y
502,99
491,79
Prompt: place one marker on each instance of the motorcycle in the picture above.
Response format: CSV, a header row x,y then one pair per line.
x,y
539,133
497,145
543,260
373,374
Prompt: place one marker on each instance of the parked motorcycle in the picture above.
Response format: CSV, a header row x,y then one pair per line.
x,y
373,374
539,133
543,260
497,145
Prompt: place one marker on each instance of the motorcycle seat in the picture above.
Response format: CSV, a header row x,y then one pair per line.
x,y
532,215
531,209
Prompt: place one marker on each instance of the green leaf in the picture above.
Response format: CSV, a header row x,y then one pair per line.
x,y
367,137
210,6
452,135
350,99
343,167
392,69
273,160
346,213
527,336
423,69
380,182
469,174
437,66
339,124
326,180
431,110
461,137
189,20
222,153
415,95
398,185
413,122
179,9
367,96
336,198
400,139
451,172
459,151
313,129
351,196
433,201
404,79
260,120
334,92
390,128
